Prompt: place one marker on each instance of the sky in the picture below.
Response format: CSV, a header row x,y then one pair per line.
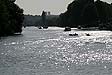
x,y
35,7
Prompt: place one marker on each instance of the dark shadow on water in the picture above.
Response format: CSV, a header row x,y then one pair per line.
x,y
12,35
17,35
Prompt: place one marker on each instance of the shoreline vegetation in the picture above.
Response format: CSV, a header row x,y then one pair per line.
x,y
81,14
11,18
87,14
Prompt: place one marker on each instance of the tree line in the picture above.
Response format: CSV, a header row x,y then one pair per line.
x,y
36,20
11,18
87,13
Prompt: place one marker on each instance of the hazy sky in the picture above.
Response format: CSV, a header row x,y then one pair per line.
x,y
37,6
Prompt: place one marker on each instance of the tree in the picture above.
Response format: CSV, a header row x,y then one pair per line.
x,y
11,17
78,11
3,18
87,13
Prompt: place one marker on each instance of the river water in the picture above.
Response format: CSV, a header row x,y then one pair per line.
x,y
54,52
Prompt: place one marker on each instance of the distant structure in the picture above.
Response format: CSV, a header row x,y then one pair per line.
x,y
44,18
49,13
44,22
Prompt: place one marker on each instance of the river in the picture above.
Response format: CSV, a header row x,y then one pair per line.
x,y
53,52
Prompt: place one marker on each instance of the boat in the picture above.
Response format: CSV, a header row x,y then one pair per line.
x,y
73,34
45,27
67,29
39,27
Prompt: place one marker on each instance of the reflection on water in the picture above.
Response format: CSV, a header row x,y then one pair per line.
x,y
54,52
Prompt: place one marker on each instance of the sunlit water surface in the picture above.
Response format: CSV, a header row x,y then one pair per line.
x,y
54,52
